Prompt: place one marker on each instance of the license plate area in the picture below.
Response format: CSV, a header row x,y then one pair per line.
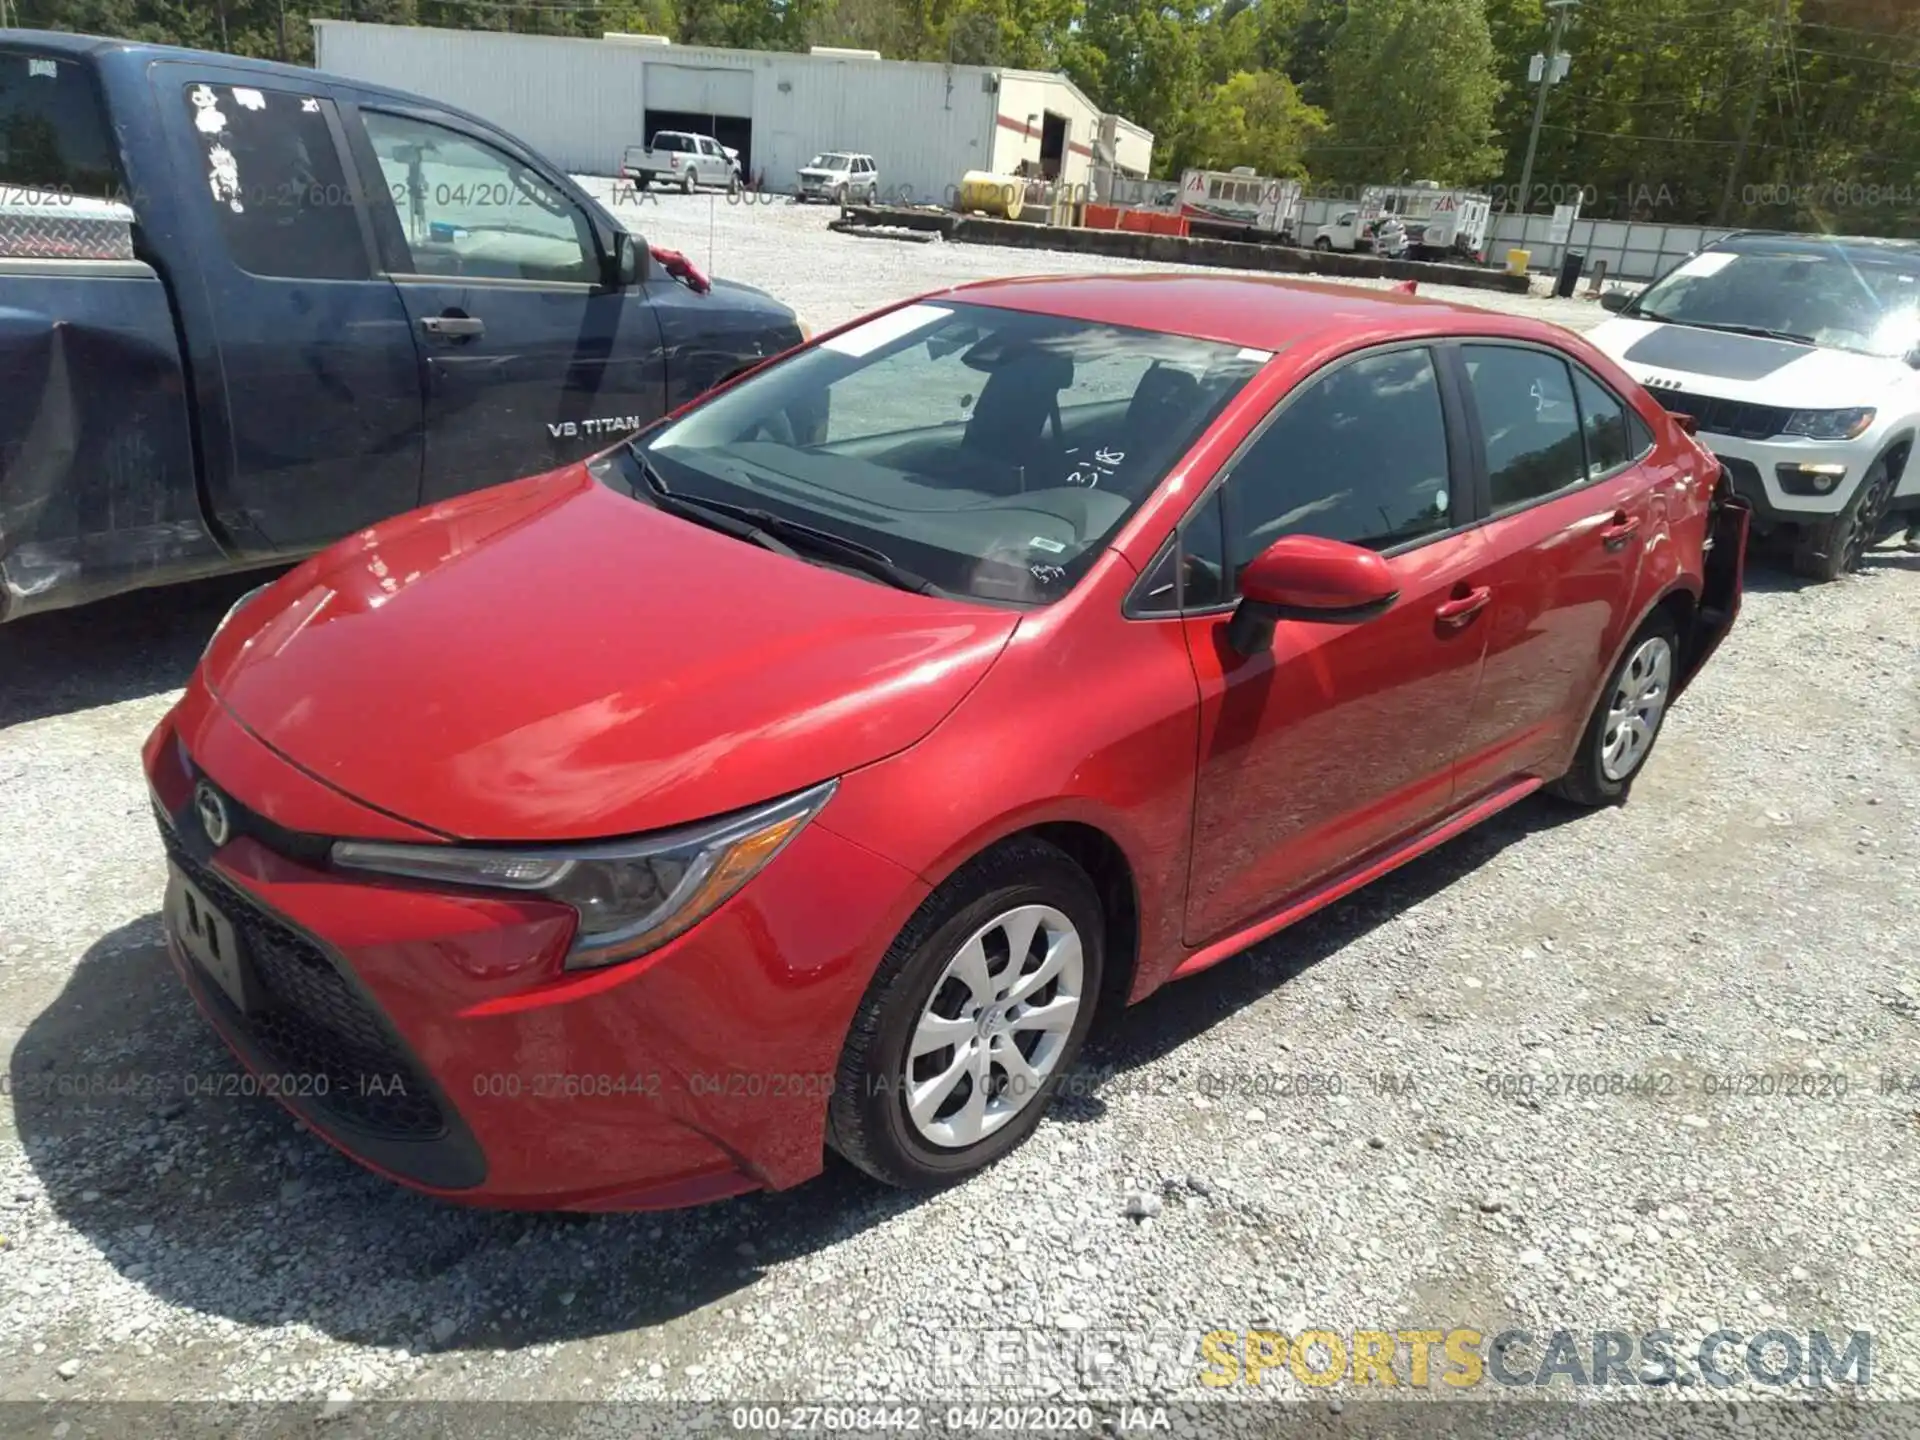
x,y
209,939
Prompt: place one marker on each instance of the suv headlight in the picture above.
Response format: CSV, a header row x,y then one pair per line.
x,y
1831,424
632,896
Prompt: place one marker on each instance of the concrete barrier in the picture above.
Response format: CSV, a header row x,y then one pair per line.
x,y
1183,250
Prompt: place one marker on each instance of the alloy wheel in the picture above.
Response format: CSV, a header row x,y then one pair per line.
x,y
1866,521
1640,695
995,1026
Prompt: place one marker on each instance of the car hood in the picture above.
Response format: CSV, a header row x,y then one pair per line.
x,y
553,660
812,173
1748,368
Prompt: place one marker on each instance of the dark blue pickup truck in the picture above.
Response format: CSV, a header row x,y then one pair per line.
x,y
247,308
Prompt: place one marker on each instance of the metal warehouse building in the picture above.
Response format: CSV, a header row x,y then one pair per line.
x,y
582,102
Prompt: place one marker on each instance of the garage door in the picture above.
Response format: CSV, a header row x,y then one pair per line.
x,y
700,91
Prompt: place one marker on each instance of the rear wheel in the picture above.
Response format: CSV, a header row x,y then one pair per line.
x,y
1623,727
686,182
1829,550
977,1011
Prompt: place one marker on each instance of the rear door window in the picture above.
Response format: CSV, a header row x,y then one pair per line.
x,y
53,129
1531,424
274,177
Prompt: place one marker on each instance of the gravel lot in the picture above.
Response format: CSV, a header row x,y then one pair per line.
x,y
1329,1132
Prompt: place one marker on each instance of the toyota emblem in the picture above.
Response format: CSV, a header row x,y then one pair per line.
x,y
212,811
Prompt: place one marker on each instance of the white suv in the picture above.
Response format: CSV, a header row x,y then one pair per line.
x,y
844,176
1799,359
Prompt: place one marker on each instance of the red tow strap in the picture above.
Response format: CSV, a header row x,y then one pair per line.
x,y
681,268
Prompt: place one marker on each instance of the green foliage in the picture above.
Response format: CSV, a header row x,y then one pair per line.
x,y
1255,117
1648,125
1413,89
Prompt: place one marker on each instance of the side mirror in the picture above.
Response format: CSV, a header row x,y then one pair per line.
x,y
1306,577
1616,300
1913,357
623,262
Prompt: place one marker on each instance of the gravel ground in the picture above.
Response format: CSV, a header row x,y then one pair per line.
x,y
1335,1131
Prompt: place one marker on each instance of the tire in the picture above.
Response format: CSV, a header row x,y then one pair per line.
x,y
733,182
645,182
1321,242
1828,551
686,183
1031,886
840,196
1607,762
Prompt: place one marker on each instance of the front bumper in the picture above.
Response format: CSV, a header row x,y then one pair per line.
x,y
1768,473
433,1036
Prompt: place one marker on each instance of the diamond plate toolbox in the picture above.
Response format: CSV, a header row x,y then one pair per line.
x,y
54,225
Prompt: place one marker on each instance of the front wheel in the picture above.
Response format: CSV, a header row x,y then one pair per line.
x,y
975,1014
1829,550
1620,734
1322,243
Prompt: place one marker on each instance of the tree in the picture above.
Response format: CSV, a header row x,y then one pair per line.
x,y
1413,91
1255,118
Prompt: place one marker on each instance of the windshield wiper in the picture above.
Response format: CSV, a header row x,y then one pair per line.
x,y
1760,331
851,553
701,512
788,537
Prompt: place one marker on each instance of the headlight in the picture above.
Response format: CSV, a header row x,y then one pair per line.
x,y
1830,424
237,606
632,896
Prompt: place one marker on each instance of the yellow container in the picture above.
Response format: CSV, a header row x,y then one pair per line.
x,y
991,194
1518,260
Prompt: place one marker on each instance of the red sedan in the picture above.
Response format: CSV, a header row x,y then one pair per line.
x,y
811,770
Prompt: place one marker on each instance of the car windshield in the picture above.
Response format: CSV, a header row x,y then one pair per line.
x,y
993,452
829,162
1849,298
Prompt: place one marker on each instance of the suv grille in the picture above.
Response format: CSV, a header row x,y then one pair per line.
x,y
1726,417
312,1023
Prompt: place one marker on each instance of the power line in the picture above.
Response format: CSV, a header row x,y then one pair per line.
x,y
1858,59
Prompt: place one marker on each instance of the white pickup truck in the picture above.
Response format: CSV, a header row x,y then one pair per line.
x,y
682,158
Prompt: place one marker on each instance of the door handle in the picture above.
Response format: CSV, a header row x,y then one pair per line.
x,y
1464,606
1619,530
453,326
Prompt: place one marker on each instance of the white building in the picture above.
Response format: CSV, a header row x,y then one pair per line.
x,y
582,102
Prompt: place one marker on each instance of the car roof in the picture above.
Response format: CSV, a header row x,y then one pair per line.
x,y
57,44
1259,311
1782,241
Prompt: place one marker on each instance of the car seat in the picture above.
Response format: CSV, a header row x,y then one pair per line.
x,y
1020,399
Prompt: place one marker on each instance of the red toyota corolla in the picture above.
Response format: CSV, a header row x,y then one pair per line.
x,y
811,770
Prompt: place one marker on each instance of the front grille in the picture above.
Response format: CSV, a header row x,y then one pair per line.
x,y
308,1021
1726,417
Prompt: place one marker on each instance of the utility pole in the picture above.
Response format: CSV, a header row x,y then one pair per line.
x,y
225,44
1561,9
1753,109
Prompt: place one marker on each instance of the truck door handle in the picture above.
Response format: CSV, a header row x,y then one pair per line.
x,y
1464,605
453,326
1619,530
